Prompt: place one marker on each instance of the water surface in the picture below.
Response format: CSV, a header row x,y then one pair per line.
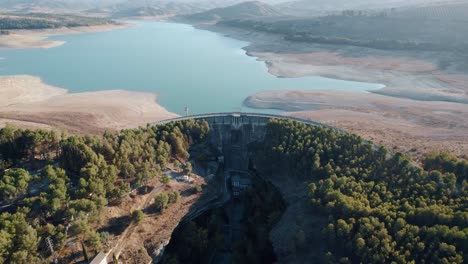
x,y
185,66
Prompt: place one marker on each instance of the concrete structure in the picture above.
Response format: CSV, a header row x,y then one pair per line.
x,y
101,258
240,181
233,132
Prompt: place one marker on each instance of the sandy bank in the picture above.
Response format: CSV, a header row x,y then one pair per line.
x,y
407,74
27,99
400,124
402,76
22,39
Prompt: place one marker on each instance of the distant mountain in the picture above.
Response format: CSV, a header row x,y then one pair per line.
x,y
54,5
117,8
253,9
153,9
324,7
439,11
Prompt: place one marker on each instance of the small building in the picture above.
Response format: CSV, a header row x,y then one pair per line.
x,y
185,178
239,182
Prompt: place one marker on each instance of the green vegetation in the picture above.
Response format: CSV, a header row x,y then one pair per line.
x,y
203,238
138,216
174,197
14,183
263,207
164,179
377,208
163,200
18,239
380,208
43,21
74,178
196,241
188,168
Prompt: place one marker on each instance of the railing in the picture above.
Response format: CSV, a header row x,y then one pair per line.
x,y
234,114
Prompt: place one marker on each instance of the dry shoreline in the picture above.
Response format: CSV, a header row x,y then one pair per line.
x,y
26,39
405,125
27,102
404,74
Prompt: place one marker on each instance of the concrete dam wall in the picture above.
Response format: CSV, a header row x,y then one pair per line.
x,y
232,133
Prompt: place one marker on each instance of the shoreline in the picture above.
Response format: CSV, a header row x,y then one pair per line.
x,y
28,102
39,38
400,124
401,73
416,85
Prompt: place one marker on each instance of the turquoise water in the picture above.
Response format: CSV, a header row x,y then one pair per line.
x,y
185,66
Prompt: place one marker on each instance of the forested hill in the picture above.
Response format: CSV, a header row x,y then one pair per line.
x,y
250,9
44,21
60,184
377,208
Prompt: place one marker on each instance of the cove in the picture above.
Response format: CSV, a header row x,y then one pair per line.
x,y
183,65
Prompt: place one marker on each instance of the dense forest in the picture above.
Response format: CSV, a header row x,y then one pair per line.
x,y
44,21
379,208
57,184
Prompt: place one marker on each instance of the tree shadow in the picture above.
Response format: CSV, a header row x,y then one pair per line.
x,y
144,189
117,225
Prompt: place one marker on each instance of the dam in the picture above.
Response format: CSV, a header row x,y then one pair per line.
x,y
233,132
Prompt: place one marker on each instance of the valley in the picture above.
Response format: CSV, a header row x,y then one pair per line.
x,y
194,131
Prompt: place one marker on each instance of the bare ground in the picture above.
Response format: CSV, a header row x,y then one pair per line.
x,y
440,76
415,126
27,101
140,243
22,39
404,125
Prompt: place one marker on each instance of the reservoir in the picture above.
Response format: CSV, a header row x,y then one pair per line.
x,y
183,65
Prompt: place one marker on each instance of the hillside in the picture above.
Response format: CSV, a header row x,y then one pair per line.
x,y
152,9
417,28
443,12
13,21
54,6
322,7
243,10
317,195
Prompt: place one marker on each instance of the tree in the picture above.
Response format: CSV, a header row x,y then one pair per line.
x,y
18,239
75,154
138,216
14,183
161,201
188,168
177,165
164,179
56,196
173,197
